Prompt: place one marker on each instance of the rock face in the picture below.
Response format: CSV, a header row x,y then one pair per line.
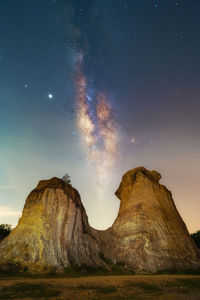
x,y
53,233
148,234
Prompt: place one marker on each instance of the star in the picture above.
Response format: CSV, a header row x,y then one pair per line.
x,y
50,96
132,140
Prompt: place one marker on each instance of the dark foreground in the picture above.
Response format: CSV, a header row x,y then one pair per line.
x,y
102,287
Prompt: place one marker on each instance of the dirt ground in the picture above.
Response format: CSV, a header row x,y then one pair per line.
x,y
183,287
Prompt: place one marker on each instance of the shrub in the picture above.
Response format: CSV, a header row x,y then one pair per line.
x,y
5,230
196,237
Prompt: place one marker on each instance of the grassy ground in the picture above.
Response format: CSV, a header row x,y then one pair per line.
x,y
130,287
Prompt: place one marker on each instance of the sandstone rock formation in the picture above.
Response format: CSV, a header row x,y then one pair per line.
x,y
148,234
53,233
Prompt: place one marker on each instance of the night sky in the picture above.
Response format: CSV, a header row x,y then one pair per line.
x,y
93,89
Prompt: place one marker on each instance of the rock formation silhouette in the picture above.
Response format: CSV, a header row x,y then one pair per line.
x,y
53,233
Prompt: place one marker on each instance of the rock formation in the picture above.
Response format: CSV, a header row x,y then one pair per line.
x,y
53,233
148,234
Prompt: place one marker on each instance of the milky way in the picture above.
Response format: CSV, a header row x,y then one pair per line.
x,y
95,122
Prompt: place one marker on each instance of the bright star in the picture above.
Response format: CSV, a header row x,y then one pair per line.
x,y
50,96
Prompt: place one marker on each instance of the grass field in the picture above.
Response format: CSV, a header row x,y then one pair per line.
x,y
128,287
